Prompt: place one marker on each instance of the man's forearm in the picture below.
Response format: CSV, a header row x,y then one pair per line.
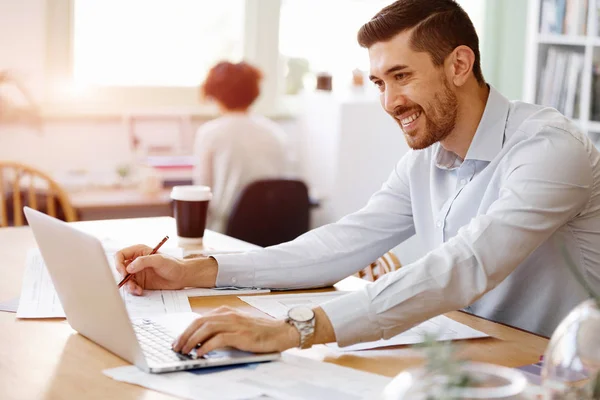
x,y
200,272
324,332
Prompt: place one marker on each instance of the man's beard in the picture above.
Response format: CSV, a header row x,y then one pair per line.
x,y
440,119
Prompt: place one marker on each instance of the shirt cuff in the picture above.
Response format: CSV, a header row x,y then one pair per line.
x,y
351,320
234,270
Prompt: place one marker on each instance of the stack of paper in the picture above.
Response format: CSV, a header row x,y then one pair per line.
x,y
39,298
291,378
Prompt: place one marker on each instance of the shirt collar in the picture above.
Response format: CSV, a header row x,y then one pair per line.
x,y
489,137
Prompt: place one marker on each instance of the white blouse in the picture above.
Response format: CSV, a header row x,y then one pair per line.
x,y
233,151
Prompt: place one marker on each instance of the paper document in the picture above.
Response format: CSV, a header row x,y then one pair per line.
x,y
278,305
443,327
292,378
186,385
211,252
39,299
203,292
111,247
10,305
533,372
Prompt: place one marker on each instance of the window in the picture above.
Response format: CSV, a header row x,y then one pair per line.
x,y
323,33
115,57
122,56
153,42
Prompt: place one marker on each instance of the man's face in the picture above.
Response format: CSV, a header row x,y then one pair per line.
x,y
413,91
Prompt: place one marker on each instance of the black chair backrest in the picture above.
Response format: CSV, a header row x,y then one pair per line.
x,y
269,212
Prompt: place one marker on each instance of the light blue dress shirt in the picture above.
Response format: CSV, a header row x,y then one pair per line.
x,y
495,225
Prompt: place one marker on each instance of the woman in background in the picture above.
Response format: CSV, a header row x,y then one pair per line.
x,y
239,147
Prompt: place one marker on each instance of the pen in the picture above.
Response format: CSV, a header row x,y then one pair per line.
x,y
154,250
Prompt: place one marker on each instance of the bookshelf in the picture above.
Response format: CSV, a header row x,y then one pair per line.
x,y
563,60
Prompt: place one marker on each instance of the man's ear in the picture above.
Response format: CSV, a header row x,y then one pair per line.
x,y
459,65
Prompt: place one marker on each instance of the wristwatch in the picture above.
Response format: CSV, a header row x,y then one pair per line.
x,y
303,319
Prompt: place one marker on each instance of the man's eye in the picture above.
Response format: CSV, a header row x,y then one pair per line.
x,y
399,77
379,85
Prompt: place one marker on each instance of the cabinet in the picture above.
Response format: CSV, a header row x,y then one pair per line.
x,y
349,146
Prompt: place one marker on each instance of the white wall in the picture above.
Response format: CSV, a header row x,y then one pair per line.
x,y
23,40
59,145
503,45
476,10
350,147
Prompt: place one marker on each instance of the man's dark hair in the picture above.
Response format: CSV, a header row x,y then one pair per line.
x,y
440,26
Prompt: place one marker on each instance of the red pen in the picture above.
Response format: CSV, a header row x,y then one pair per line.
x,y
154,250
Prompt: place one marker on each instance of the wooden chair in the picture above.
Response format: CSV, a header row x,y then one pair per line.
x,y
384,264
22,185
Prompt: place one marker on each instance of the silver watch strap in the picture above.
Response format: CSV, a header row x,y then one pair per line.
x,y
306,331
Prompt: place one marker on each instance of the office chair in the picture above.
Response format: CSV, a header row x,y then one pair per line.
x,y
22,185
269,212
383,265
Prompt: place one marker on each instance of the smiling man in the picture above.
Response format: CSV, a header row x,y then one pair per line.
x,y
497,190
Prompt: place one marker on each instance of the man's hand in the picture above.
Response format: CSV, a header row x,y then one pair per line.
x,y
227,327
159,271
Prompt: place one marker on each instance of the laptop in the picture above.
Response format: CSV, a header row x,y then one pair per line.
x,y
88,292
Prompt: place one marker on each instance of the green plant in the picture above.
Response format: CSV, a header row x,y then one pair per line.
x,y
123,171
441,360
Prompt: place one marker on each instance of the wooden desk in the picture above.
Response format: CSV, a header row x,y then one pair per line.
x,y
47,359
96,204
99,204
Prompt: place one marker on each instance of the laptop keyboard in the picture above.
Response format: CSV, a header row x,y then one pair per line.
x,y
156,342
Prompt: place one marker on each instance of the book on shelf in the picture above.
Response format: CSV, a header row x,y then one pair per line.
x,y
560,80
564,17
172,170
595,110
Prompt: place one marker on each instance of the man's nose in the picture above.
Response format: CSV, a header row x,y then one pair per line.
x,y
393,99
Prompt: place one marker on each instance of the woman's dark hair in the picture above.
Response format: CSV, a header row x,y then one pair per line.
x,y
235,86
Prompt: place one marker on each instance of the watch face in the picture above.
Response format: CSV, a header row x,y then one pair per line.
x,y
301,314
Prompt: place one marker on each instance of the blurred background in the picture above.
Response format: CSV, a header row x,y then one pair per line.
x,y
103,96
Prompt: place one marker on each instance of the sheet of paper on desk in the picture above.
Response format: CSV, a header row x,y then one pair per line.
x,y
39,299
278,305
202,292
10,305
291,378
184,384
444,327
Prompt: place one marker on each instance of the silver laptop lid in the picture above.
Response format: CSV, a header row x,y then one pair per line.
x,y
86,288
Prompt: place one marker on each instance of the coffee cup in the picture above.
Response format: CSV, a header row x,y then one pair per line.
x,y
190,209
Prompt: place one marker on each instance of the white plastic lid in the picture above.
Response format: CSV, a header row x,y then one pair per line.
x,y
191,193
